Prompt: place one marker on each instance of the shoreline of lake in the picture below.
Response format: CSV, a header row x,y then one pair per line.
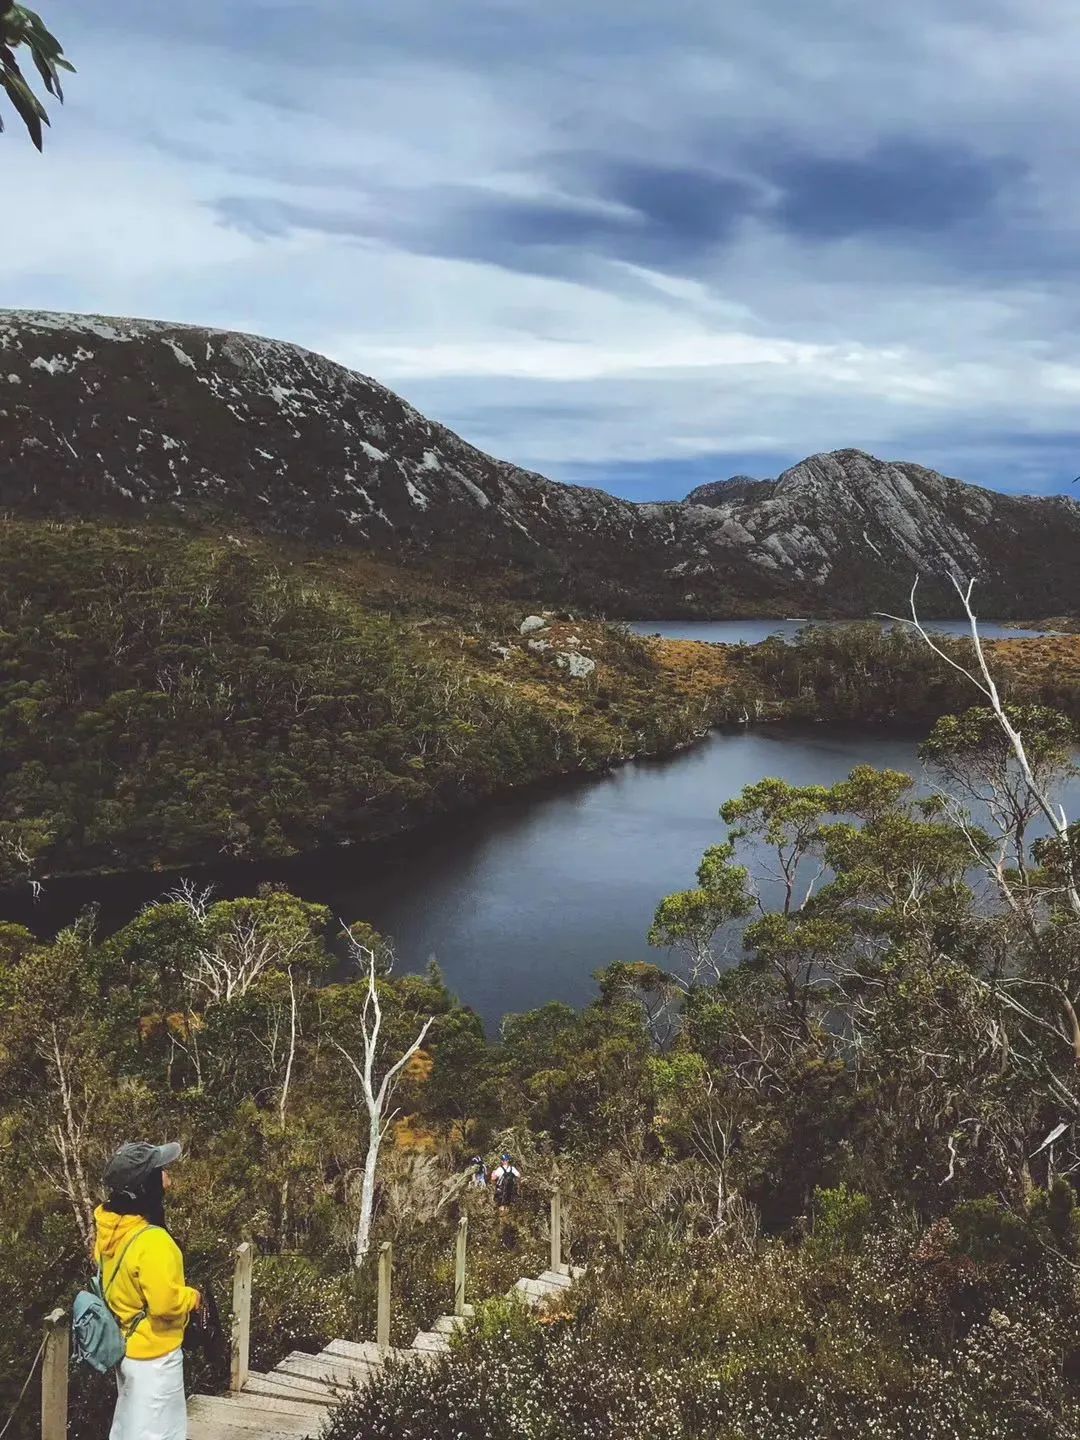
x,y
770,712
538,788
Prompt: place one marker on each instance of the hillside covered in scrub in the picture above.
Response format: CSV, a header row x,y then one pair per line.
x,y
842,1125
168,697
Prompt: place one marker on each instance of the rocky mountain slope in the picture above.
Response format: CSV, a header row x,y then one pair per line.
x,y
122,418
721,492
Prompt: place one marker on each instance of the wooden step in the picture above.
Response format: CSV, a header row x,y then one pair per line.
x,y
290,1387
575,1272
365,1351
247,1415
557,1278
430,1340
219,1430
448,1324
534,1291
338,1373
279,1404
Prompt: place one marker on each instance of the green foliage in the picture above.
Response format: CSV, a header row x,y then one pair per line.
x,y
863,673
557,1065
977,739
691,1340
296,1305
823,1116
842,1220
690,918
20,26
990,1234
166,698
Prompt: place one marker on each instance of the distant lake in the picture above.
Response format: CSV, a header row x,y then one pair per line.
x,y
522,901
751,632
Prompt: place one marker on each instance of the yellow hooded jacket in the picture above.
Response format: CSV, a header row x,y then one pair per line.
x,y
150,1277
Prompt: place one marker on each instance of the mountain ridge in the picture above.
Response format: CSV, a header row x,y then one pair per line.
x,y
119,418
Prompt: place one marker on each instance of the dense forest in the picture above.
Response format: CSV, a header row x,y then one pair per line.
x,y
868,673
842,1121
167,698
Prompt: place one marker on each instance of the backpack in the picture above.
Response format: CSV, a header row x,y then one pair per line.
x,y
205,1332
97,1337
506,1186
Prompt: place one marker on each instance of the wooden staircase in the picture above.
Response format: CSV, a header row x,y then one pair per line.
x,y
292,1401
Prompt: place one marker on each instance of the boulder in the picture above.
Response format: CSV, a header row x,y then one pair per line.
x,y
579,666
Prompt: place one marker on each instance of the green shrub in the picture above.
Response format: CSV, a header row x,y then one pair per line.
x,y
691,1342
992,1235
842,1219
296,1307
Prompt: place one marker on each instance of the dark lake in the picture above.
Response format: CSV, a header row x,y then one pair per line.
x,y
522,901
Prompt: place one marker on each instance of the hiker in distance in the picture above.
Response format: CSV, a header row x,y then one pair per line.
x,y
143,1282
479,1172
506,1178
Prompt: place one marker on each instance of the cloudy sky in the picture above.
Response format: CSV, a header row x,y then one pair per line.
x,y
629,243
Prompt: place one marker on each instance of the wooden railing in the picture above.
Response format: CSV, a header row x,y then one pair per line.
x,y
459,1264
57,1346
241,1321
54,1376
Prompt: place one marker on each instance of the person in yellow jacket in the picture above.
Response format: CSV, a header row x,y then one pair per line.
x,y
143,1275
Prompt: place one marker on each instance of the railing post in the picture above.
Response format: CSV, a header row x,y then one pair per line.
x,y
241,1318
54,1377
459,1265
620,1226
556,1229
386,1270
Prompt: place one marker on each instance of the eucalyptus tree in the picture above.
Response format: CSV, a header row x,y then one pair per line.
x,y
24,29
376,1090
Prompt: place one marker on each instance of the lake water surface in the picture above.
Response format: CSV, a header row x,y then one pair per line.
x,y
520,902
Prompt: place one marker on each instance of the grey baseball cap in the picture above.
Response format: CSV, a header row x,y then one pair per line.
x,y
133,1163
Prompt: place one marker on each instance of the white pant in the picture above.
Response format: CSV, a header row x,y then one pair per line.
x,y
151,1404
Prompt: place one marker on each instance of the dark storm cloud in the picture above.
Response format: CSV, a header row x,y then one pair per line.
x,y
898,187
665,216
872,206
689,208
933,200
668,217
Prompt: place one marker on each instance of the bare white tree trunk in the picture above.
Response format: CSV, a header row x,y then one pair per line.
x,y
68,1139
283,1103
983,681
376,1094
367,1187
237,960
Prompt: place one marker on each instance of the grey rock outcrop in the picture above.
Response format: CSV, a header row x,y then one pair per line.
x,y
133,419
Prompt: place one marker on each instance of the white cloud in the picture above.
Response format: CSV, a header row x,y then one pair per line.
x,y
771,345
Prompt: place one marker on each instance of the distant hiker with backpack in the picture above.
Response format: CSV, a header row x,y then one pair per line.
x,y
479,1172
141,1281
506,1178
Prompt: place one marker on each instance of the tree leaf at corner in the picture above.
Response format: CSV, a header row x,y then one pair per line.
x,y
26,103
